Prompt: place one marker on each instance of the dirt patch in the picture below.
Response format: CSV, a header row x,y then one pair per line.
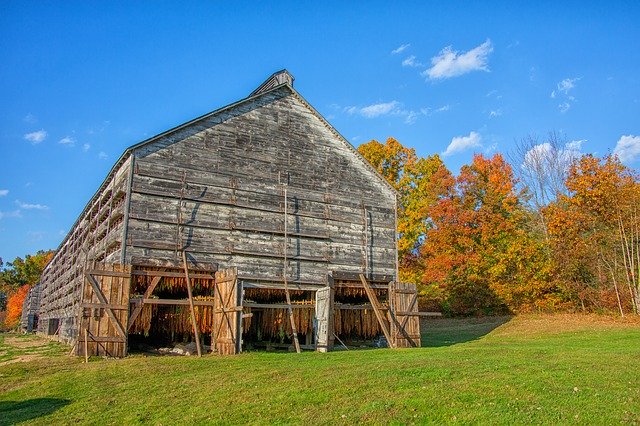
x,y
21,358
23,343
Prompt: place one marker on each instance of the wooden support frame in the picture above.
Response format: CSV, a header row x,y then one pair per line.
x,y
196,332
377,309
104,310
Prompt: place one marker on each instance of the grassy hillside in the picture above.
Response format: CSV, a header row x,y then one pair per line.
x,y
533,369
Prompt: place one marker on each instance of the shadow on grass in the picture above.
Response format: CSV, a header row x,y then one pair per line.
x,y
451,331
13,412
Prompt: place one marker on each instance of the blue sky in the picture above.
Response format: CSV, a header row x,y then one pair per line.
x,y
81,81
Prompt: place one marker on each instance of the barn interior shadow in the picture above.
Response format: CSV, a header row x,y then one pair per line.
x,y
451,331
13,412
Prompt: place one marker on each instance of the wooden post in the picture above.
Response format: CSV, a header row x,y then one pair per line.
x,y
377,310
284,276
86,345
196,332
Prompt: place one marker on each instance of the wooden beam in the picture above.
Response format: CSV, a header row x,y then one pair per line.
x,y
377,310
147,293
196,332
275,306
294,332
113,306
184,302
102,273
169,274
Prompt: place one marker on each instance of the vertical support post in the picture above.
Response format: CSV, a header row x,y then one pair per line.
x,y
196,332
284,276
86,344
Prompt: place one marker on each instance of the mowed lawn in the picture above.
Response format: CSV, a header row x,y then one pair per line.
x,y
530,369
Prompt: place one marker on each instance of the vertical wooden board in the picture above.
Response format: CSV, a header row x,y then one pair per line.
x,y
408,326
324,316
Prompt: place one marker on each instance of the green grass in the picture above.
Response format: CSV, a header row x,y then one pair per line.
x,y
533,369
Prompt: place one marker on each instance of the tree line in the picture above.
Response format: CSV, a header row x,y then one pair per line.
x,y
16,279
549,230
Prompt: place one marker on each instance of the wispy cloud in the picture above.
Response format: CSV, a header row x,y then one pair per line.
x,y
463,143
30,118
13,213
495,113
392,108
562,90
400,49
67,141
450,63
4,192
374,110
29,206
102,155
628,148
86,147
411,61
35,236
36,137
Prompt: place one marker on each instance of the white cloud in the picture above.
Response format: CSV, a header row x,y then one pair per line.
x,y
495,113
564,107
628,148
411,62
449,63
85,147
4,192
400,49
30,118
28,206
567,84
67,141
545,152
102,155
36,137
463,143
562,91
374,110
13,213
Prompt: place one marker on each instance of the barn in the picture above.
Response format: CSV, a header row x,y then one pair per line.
x,y
254,226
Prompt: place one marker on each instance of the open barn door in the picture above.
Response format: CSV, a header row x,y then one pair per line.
x,y
227,333
405,328
324,317
105,311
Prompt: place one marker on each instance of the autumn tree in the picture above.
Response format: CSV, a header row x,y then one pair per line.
x,y
421,182
479,246
17,276
595,230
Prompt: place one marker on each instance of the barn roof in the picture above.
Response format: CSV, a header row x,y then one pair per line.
x,y
279,79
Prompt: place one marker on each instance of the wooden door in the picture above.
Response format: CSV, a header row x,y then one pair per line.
x,y
227,332
405,327
324,318
104,311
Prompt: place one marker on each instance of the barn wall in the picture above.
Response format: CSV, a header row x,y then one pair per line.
x,y
96,235
222,177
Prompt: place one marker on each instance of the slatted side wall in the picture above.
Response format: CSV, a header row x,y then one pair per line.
x,y
405,329
227,333
105,310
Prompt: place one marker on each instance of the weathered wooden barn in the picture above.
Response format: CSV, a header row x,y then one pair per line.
x,y
254,225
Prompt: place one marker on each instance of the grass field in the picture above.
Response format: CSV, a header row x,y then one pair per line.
x,y
531,369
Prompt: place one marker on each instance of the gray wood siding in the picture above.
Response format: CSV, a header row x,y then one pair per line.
x,y
227,170
96,235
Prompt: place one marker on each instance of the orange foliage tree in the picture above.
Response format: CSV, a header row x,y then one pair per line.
x,y
480,247
14,305
421,182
